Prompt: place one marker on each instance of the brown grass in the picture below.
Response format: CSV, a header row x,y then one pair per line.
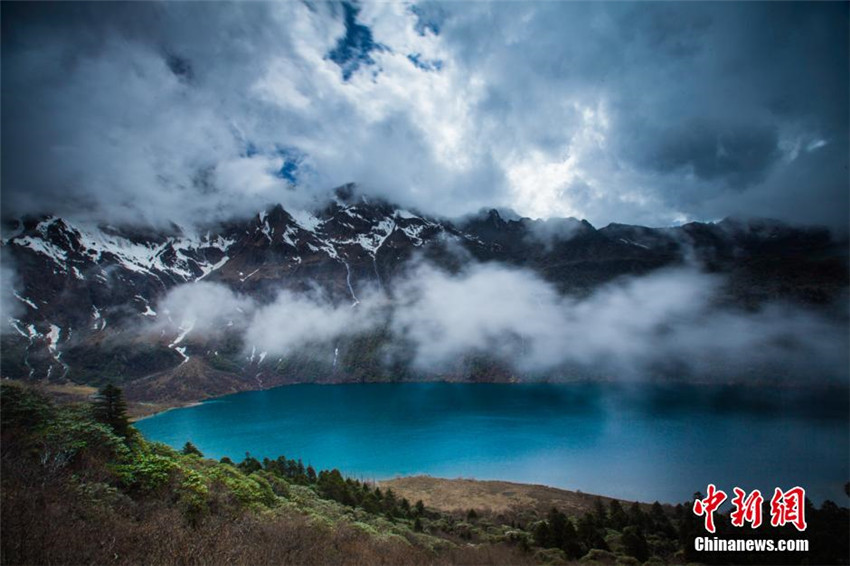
x,y
491,496
59,392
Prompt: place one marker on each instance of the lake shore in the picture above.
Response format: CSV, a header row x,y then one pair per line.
x,y
141,409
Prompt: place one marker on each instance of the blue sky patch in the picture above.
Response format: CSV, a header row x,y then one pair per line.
x,y
250,150
353,49
425,64
292,159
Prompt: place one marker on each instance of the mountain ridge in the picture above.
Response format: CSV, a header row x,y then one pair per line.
x,y
80,288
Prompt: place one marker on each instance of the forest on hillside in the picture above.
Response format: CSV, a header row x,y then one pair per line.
x,y
80,485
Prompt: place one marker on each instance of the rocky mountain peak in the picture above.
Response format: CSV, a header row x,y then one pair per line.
x,y
78,288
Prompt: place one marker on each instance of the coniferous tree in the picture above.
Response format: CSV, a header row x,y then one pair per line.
x,y
634,543
600,512
660,522
191,449
250,464
637,517
617,518
110,408
591,533
557,523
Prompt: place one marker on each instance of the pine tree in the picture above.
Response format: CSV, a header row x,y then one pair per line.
x,y
634,543
617,518
191,449
600,512
110,408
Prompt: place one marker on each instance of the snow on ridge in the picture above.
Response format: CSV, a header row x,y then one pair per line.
x,y
406,214
53,337
99,320
184,331
330,250
38,245
139,257
633,243
208,268
16,324
288,234
376,237
190,243
148,310
245,278
306,220
414,232
265,228
352,213
182,351
25,300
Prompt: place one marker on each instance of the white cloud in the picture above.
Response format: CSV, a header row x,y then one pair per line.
x,y
548,108
203,309
10,305
296,320
663,325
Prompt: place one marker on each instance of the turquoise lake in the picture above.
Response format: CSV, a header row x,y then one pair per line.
x,y
639,442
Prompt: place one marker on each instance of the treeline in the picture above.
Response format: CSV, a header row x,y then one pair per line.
x,y
655,535
331,484
81,485
642,534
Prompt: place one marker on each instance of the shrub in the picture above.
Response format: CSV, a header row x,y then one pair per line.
x,y
252,490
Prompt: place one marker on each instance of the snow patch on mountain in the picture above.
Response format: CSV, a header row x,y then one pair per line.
x,y
57,255
25,300
306,220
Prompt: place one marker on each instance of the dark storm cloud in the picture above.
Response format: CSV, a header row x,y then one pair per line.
x,y
649,113
740,158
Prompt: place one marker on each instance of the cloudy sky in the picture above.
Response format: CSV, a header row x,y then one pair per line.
x,y
650,113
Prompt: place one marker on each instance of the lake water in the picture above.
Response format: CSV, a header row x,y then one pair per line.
x,y
640,442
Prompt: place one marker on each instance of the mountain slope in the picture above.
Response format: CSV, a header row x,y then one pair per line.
x,y
82,291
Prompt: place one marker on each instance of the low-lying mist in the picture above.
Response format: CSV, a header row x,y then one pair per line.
x,y
668,324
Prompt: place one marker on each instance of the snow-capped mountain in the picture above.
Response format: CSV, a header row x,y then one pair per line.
x,y
80,287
